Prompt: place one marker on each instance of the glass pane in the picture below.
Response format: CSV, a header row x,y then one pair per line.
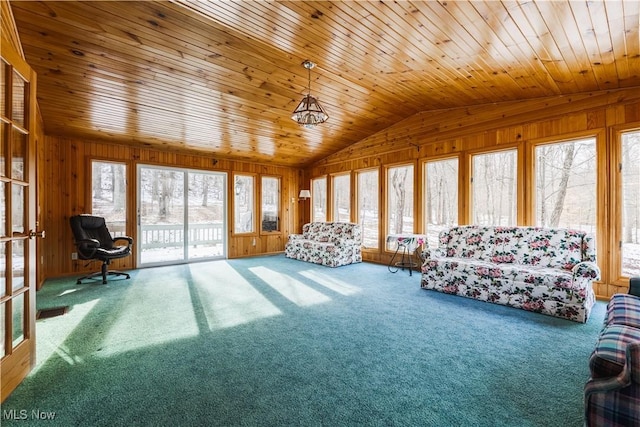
x,y
319,199
2,329
3,89
494,188
270,204
19,153
109,195
342,198
161,215
631,204
243,204
17,209
3,268
566,185
206,215
399,201
18,257
368,212
441,198
17,98
18,319
3,149
3,208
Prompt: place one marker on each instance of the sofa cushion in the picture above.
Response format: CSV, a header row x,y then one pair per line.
x,y
543,247
623,309
609,356
557,248
508,243
539,276
470,242
527,275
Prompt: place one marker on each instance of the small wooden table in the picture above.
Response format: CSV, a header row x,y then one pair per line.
x,y
408,243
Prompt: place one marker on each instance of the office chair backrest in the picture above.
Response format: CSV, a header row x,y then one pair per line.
x,y
86,227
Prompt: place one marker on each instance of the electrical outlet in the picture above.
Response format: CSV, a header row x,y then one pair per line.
x,y
74,255
254,241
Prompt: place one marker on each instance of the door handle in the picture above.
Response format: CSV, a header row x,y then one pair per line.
x,y
40,234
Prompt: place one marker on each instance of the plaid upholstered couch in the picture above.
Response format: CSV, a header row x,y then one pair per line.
x,y
612,394
328,243
549,271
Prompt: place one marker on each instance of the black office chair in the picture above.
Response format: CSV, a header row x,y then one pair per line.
x,y
634,286
94,242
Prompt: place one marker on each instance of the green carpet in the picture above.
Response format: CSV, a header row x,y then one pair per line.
x,y
270,341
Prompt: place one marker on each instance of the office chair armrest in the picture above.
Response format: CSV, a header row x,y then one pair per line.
x,y
128,239
90,243
87,248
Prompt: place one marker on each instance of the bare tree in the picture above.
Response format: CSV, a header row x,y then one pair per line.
x,y
97,179
565,184
541,190
319,197
511,190
205,190
364,196
166,188
489,184
119,187
567,151
630,178
398,179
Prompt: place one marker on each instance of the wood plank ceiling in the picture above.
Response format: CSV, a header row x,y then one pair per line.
x,y
223,77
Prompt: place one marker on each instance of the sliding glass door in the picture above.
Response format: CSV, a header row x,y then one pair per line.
x,y
206,211
181,215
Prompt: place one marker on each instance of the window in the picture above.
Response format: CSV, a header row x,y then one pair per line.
x,y
368,212
319,199
494,186
399,200
243,203
342,198
270,193
441,197
565,184
630,237
109,194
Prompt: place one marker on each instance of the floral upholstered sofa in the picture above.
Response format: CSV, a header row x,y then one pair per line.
x,y
328,243
549,271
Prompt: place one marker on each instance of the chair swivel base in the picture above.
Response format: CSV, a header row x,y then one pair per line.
x,y
104,275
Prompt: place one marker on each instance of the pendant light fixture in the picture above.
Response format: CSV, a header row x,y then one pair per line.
x,y
309,112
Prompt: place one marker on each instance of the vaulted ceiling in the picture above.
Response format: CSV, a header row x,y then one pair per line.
x,y
223,77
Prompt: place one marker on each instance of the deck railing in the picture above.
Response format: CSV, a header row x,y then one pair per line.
x,y
167,235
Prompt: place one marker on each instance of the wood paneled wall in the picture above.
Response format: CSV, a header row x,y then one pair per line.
x,y
64,167
65,176
462,131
